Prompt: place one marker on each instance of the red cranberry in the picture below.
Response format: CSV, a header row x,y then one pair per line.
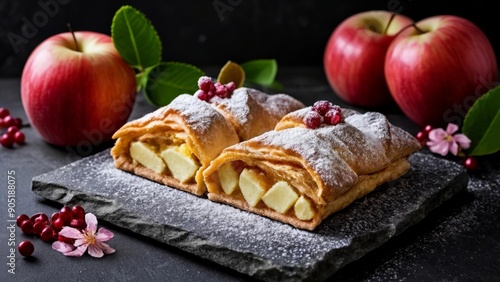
x,y
422,136
8,121
321,107
39,226
39,217
230,86
12,130
312,120
26,248
220,90
61,238
470,163
58,224
78,223
78,212
38,214
54,216
428,128
66,214
4,112
205,83
333,117
6,140
21,218
19,138
202,95
27,227
18,122
48,234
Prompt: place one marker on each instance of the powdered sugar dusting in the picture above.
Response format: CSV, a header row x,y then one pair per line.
x,y
372,124
246,103
340,153
268,249
323,159
198,114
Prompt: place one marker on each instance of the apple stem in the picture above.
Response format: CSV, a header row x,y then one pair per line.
x,y
417,28
393,15
74,37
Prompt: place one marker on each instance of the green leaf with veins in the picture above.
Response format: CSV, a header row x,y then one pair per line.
x,y
262,72
135,38
482,124
170,79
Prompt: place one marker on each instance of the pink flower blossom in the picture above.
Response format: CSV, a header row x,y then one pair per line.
x,y
88,238
441,142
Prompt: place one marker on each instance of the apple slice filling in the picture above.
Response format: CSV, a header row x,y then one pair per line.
x,y
253,184
179,160
255,187
144,155
229,178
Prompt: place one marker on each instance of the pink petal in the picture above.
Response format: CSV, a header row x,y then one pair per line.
x,y
433,143
95,251
71,232
462,140
437,134
78,252
454,148
441,148
106,248
91,221
62,247
452,128
104,235
79,242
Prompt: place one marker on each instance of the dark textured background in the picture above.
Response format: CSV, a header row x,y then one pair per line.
x,y
294,32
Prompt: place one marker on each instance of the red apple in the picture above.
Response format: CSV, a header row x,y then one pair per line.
x,y
354,57
438,70
77,96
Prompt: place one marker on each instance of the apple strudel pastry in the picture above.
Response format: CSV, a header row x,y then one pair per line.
x,y
175,143
316,162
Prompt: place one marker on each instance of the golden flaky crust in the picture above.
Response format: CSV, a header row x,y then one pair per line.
x,y
332,165
207,128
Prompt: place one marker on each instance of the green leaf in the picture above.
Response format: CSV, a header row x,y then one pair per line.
x,y
482,124
135,38
261,72
170,79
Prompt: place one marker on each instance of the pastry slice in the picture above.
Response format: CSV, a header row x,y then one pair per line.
x,y
301,175
175,144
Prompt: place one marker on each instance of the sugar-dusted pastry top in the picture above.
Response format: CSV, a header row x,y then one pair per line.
x,y
335,156
253,112
176,143
208,130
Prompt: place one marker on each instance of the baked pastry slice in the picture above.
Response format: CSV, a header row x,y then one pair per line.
x,y
174,144
300,175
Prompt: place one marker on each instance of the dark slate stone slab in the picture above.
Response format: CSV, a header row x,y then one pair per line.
x,y
260,247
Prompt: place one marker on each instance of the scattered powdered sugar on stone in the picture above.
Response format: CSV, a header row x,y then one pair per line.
x,y
247,242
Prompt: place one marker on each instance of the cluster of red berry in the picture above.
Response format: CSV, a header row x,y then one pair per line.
x,y
48,228
208,89
470,163
12,126
323,111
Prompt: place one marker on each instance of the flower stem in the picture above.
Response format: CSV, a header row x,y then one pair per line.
x,y
74,37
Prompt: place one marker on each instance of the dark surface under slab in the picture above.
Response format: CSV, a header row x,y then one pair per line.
x,y
248,243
